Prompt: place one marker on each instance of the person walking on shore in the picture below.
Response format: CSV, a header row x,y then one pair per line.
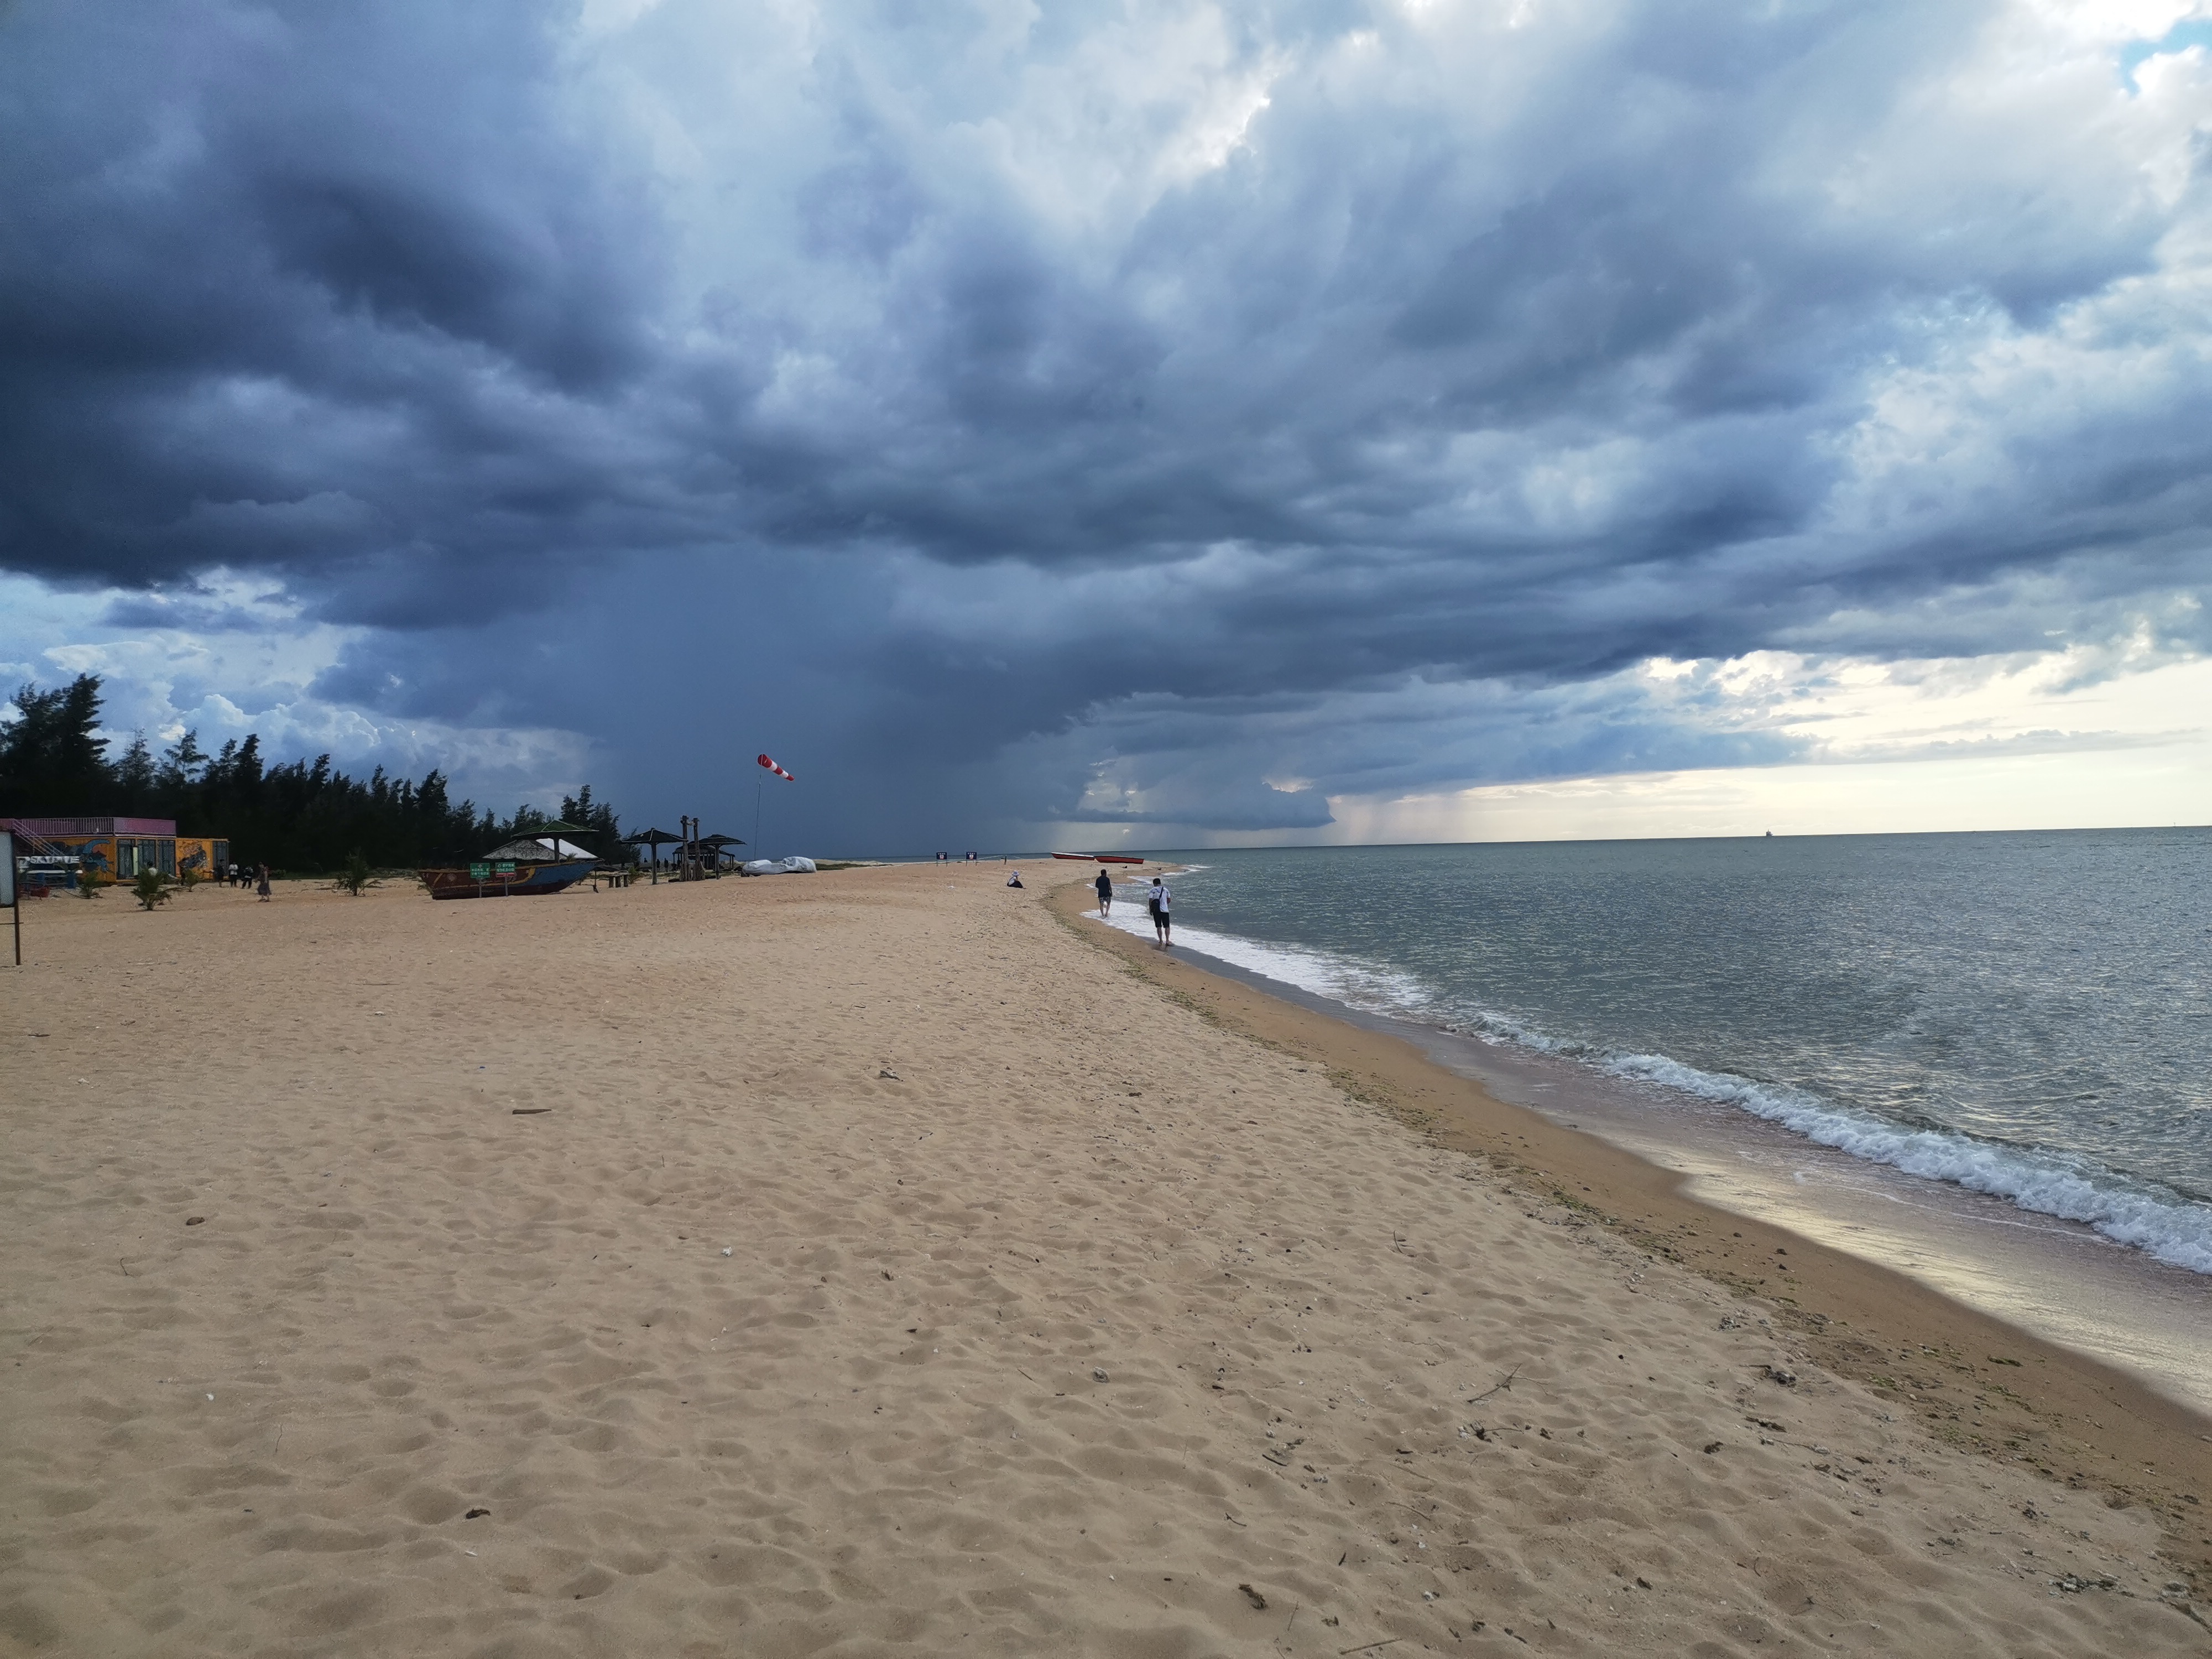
x,y
1157,899
1105,886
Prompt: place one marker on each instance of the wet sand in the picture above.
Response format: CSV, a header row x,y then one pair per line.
x,y
866,1263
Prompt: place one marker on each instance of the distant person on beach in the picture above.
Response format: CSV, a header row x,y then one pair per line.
x,y
1014,879
1157,898
263,888
1105,886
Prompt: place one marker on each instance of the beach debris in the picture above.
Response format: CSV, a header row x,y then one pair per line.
x,y
1712,1446
1098,1375
1254,1596
731,1252
530,1111
474,1513
1504,1385
1787,1378
194,1220
887,1072
1644,1584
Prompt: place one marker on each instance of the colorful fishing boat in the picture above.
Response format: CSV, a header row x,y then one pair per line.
x,y
506,879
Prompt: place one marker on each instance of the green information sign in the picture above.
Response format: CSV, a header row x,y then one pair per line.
x,y
478,872
503,869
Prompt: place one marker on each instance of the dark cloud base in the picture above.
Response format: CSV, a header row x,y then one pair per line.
x,y
1518,359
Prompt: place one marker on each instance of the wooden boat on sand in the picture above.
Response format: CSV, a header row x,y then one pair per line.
x,y
506,880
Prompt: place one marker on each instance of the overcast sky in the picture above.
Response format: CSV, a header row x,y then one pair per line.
x,y
1165,424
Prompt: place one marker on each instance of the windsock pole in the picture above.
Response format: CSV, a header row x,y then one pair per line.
x,y
766,766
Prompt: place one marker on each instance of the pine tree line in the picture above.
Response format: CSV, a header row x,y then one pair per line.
x,y
302,817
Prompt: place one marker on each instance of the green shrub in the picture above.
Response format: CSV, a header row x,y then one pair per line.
x,y
151,889
356,877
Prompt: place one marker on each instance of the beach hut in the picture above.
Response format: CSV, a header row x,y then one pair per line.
x,y
102,850
540,850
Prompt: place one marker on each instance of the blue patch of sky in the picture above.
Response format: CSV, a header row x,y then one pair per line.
x,y
2196,32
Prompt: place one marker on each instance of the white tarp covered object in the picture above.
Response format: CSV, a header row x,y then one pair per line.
x,y
790,866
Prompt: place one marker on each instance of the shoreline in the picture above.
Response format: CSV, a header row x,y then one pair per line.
x,y
2057,1279
2072,1417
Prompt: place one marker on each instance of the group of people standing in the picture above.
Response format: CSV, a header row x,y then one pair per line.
x,y
1156,901
247,875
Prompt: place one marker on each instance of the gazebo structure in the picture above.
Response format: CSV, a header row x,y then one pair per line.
x,y
701,855
656,839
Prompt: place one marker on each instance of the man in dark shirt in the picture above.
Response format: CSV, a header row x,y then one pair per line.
x,y
1105,886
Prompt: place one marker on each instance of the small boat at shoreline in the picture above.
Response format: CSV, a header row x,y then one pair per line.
x,y
1099,858
515,880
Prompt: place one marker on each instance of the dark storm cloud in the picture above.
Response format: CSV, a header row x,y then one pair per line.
x,y
895,357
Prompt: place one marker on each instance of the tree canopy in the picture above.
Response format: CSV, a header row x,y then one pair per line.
x,y
298,815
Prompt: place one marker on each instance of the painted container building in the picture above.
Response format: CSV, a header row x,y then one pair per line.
x,y
116,849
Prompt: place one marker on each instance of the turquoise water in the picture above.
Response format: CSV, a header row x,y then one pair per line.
x,y
2028,1015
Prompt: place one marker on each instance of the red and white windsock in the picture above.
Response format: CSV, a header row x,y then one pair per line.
x,y
778,770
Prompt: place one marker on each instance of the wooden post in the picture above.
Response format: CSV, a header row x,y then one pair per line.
x,y
8,895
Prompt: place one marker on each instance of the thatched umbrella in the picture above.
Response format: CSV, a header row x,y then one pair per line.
x,y
656,839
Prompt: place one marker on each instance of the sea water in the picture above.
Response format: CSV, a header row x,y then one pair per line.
x,y
2027,1015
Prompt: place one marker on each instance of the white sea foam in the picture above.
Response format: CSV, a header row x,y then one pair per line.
x,y
2161,1223
1322,973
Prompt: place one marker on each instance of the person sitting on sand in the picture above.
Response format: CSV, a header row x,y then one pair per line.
x,y
1014,879
1105,886
1157,899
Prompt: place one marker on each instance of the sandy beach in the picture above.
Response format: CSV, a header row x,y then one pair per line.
x,y
887,1260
